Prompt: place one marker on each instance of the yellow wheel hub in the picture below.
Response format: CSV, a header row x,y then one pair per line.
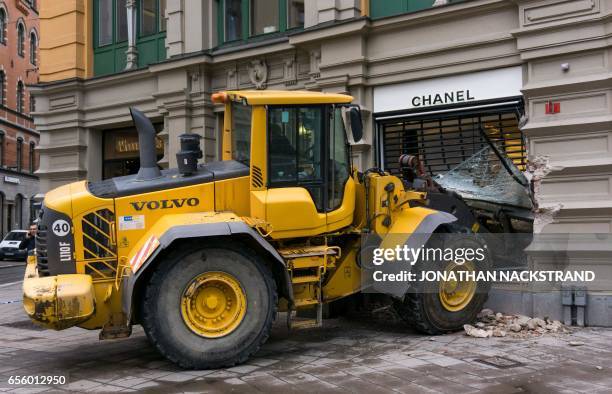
x,y
213,304
455,294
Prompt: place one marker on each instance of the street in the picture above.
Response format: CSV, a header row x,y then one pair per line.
x,y
11,271
347,355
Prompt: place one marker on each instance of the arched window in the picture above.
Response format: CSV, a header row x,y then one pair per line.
x,y
20,39
33,210
33,48
19,153
19,211
31,156
20,96
3,22
2,198
1,152
2,88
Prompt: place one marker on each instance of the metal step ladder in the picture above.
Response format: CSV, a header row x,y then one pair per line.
x,y
306,266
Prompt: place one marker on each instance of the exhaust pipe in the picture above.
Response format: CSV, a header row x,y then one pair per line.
x,y
146,143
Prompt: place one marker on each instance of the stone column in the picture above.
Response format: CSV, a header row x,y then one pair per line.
x,y
132,51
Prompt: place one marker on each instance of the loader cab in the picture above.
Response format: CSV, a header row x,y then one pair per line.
x,y
297,150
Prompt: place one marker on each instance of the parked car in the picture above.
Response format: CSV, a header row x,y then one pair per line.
x,y
10,246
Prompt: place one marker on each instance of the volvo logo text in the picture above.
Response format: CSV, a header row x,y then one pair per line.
x,y
166,204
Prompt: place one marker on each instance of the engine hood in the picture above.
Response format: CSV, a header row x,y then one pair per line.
x,y
169,179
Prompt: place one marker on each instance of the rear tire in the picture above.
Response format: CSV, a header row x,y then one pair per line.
x,y
423,307
166,322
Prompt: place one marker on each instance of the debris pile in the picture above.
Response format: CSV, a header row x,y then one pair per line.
x,y
492,324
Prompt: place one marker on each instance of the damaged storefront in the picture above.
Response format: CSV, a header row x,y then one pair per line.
x,y
465,131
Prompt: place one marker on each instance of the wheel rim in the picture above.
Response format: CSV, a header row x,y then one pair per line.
x,y
213,304
456,295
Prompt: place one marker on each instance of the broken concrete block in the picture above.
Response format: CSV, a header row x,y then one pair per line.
x,y
484,313
499,333
476,332
522,320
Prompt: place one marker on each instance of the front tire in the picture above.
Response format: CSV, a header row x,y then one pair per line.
x,y
438,307
210,307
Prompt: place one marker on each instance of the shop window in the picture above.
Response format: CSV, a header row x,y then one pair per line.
x,y
31,157
111,34
243,19
20,97
120,152
9,216
33,48
444,142
19,157
3,22
2,205
2,88
20,39
32,210
19,211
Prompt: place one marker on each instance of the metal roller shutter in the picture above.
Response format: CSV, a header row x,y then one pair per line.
x,y
445,140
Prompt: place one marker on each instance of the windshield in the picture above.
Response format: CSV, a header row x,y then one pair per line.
x,y
15,236
241,133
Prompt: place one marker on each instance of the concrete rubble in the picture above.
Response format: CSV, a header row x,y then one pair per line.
x,y
490,324
537,169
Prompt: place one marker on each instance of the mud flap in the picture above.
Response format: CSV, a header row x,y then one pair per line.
x,y
404,232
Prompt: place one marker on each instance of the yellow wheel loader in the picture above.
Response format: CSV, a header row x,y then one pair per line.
x,y
203,256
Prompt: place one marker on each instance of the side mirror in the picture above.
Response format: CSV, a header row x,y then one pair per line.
x,y
356,124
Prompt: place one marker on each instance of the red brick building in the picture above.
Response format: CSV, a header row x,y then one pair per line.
x,y
18,139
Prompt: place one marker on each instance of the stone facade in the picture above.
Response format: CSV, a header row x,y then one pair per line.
x,y
18,138
562,47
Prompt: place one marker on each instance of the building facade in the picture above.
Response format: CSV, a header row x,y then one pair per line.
x,y
19,37
538,71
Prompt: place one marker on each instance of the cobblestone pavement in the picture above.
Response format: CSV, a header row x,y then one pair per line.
x,y
345,356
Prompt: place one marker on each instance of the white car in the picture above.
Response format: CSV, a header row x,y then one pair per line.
x,y
9,247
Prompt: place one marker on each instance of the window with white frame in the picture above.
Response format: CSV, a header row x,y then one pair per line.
x,y
20,39
20,96
3,23
33,48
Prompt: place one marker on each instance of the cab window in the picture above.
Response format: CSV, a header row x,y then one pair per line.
x,y
339,164
296,136
241,132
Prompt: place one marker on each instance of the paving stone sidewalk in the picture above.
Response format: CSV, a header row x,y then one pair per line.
x,y
347,356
